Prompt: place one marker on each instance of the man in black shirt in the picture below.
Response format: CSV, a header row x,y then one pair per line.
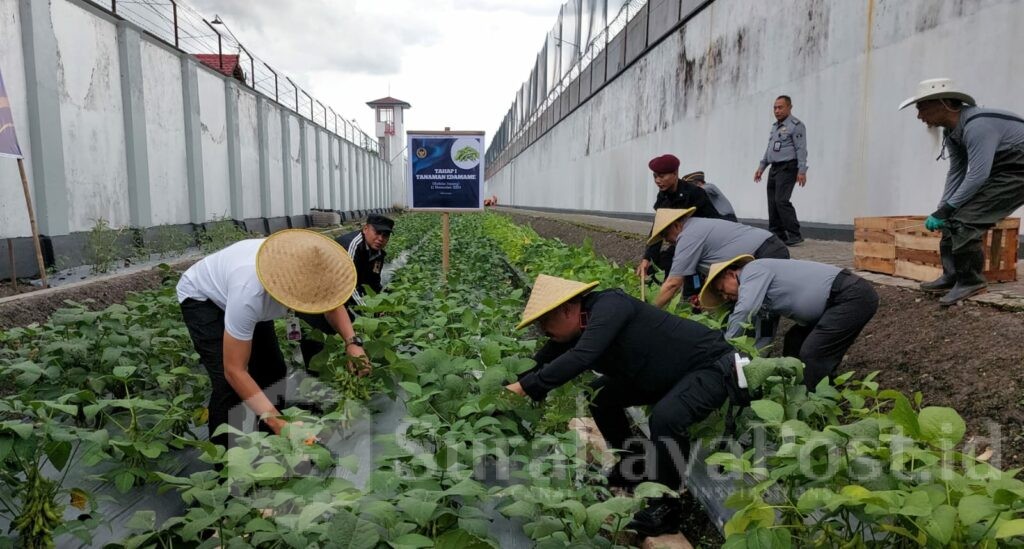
x,y
673,193
366,248
646,357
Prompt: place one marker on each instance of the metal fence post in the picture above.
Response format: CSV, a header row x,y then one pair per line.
x,y
174,10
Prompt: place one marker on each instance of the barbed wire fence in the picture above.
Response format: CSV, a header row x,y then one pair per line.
x,y
178,24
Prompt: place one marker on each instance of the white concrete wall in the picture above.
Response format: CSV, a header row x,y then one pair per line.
x,y
213,122
310,160
165,134
88,83
92,117
249,141
705,95
14,220
275,158
295,157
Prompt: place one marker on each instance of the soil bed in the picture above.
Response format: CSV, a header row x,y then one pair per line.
x,y
969,357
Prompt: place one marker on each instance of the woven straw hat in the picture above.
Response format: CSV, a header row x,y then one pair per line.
x,y
305,271
548,293
937,88
711,298
663,217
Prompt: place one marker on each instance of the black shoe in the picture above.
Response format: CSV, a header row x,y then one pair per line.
x,y
795,241
661,516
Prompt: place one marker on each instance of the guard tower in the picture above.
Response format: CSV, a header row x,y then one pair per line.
x,y
390,113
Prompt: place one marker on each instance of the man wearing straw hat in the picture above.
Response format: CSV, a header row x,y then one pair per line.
x,y
647,357
985,182
229,301
829,305
700,242
673,193
715,195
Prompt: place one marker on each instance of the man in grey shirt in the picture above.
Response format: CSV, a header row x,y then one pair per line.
x,y
829,305
715,195
787,155
699,242
985,182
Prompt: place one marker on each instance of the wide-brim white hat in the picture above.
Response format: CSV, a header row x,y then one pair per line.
x,y
305,271
937,88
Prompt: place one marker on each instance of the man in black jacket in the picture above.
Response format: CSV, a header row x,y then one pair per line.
x,y
647,357
673,193
366,248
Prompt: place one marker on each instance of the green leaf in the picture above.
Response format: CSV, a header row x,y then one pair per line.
x,y
490,353
124,372
975,508
917,504
412,388
411,541
1010,529
903,414
941,524
942,426
269,471
460,539
814,499
468,488
123,481
418,510
347,531
142,520
770,411
58,454
521,509
311,512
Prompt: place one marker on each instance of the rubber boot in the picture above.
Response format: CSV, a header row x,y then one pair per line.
x,y
969,280
948,278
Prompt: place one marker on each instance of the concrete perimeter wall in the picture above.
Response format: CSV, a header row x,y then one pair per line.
x,y
117,125
705,94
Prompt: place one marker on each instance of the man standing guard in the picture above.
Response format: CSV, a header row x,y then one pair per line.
x,y
985,182
673,193
787,155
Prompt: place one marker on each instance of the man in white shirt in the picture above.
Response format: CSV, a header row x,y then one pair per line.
x,y
229,301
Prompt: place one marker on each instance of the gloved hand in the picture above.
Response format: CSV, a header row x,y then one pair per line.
x,y
938,218
933,223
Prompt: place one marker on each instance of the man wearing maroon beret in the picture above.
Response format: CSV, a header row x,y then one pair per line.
x,y
673,193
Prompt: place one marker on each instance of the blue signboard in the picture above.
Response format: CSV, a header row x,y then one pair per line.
x,y
446,170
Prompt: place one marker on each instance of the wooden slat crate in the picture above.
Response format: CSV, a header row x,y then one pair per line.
x,y
917,251
874,242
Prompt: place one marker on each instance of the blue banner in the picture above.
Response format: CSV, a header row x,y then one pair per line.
x,y
8,139
446,170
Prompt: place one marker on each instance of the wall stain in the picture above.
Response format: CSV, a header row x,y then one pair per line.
x,y
721,69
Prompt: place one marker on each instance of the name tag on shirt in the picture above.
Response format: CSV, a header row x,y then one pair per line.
x,y
294,329
777,146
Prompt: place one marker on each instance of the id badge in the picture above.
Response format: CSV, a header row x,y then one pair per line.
x,y
777,146
294,329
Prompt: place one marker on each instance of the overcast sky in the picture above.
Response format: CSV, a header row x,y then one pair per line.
x,y
458,63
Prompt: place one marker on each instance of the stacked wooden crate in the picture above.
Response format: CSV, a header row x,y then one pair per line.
x,y
901,246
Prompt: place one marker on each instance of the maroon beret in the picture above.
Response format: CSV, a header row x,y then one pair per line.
x,y
665,163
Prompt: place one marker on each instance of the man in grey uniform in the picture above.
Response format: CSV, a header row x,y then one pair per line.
x,y
985,182
699,242
715,195
829,305
787,155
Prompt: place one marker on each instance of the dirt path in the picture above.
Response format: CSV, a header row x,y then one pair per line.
x,y
969,357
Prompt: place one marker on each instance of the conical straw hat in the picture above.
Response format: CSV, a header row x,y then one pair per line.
x,y
711,298
305,271
548,293
663,217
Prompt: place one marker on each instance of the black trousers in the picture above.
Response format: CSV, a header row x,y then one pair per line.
x,y
695,395
205,322
772,248
781,214
851,304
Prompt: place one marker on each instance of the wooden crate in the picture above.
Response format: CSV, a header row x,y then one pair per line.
x,y
874,242
917,251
